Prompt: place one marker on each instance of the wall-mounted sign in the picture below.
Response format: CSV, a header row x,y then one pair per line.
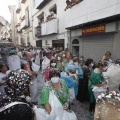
x,y
93,30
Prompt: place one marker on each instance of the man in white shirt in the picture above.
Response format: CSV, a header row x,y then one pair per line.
x,y
27,64
46,61
3,70
37,58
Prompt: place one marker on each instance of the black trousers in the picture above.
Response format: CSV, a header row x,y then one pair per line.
x,y
17,112
83,90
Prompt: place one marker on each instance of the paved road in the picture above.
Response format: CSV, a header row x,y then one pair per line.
x,y
81,110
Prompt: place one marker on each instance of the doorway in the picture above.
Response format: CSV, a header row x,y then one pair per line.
x,y
75,47
39,43
75,50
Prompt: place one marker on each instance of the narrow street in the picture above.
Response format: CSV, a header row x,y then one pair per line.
x,y
56,53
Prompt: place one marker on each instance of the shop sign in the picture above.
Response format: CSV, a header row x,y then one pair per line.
x,y
93,30
58,41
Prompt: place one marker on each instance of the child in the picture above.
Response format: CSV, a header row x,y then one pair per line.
x,y
3,70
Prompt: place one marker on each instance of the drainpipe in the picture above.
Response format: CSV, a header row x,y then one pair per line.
x,y
70,43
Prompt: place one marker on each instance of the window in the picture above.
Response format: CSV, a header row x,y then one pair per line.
x,y
41,18
53,9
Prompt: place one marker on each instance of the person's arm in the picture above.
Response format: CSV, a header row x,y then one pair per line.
x,y
27,68
48,108
8,61
2,83
102,84
45,99
66,8
40,55
97,80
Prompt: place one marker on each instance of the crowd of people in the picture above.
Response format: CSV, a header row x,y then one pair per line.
x,y
63,78
51,16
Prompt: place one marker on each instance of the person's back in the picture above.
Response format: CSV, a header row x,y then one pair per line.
x,y
12,105
14,62
3,56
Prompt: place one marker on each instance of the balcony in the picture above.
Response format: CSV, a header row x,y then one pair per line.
x,y
38,31
41,3
50,27
87,12
23,1
18,8
24,24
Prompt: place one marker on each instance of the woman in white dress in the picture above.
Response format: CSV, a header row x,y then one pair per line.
x,y
55,100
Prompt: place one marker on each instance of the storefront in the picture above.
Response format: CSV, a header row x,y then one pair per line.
x,y
96,46
55,40
95,41
58,43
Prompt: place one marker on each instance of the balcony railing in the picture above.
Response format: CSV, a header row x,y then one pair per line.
x,y
87,12
38,31
41,3
23,1
18,9
24,24
50,27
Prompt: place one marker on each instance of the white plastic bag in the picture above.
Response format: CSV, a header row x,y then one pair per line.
x,y
35,67
57,113
98,90
113,73
72,94
37,60
40,114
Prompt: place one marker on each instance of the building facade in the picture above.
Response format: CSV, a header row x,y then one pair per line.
x,y
89,28
5,33
48,29
95,28
24,26
13,23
